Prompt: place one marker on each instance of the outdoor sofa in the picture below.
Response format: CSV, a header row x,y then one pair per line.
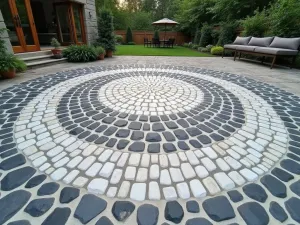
x,y
265,47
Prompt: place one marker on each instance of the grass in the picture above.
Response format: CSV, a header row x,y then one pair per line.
x,y
140,50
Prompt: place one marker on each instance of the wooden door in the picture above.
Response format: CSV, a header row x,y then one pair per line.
x,y
19,20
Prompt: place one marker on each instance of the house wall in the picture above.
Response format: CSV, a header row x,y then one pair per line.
x,y
5,35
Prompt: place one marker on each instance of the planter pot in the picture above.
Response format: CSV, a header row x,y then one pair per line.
x,y
8,74
101,56
57,53
109,53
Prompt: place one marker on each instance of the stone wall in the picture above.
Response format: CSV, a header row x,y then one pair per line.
x,y
5,35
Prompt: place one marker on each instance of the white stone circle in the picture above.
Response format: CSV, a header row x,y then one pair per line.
x,y
249,153
150,95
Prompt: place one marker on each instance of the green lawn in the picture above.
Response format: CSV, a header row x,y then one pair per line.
x,y
140,50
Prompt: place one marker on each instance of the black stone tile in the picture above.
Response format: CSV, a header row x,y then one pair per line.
x,y
253,214
12,162
169,136
121,210
216,137
198,221
154,148
182,145
137,135
218,208
181,134
154,119
137,147
122,144
48,189
183,123
192,131
84,134
147,214
255,192
101,140
8,153
121,123
135,126
68,194
35,181
204,139
295,187
123,115
111,142
282,175
293,207
164,118
59,216
174,212
146,126
169,147
92,138
99,116
195,143
158,127
104,221
277,212
122,133
235,196
11,203
153,137
109,119
89,207
20,222
192,207
290,165
39,207
101,128
143,118
171,125
204,128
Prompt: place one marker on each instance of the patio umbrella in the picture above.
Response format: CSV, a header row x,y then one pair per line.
x,y
165,22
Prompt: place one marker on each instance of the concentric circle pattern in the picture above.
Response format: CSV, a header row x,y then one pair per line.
x,y
150,133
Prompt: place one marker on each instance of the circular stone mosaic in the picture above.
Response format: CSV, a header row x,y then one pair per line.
x,y
151,133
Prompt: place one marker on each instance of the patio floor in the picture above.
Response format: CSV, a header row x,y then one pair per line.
x,y
151,140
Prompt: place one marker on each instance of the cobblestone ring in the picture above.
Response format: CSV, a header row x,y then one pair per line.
x,y
150,133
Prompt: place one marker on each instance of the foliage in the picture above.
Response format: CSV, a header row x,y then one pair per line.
x,y
156,34
119,39
55,43
141,21
201,49
215,34
227,33
256,25
209,47
2,42
195,46
186,45
217,50
105,30
130,43
99,50
80,53
10,61
129,35
206,37
284,17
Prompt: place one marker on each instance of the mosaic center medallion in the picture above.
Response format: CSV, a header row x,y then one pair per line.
x,y
151,133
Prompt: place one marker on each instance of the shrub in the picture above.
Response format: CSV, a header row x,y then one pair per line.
x,y
2,42
80,53
209,47
217,50
130,43
129,35
256,25
55,43
186,45
10,61
106,30
119,39
195,46
197,36
285,18
99,50
201,49
156,34
227,33
215,36
205,35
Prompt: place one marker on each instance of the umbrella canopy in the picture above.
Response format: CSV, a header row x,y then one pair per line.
x,y
165,22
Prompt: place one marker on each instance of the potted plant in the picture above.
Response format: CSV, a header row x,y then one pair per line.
x,y
100,52
9,64
57,52
106,36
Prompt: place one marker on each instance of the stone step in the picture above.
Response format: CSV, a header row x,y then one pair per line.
x,y
28,60
26,55
44,62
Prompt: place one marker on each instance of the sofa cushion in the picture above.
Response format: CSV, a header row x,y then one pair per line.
x,y
262,42
288,43
241,40
230,46
246,48
276,51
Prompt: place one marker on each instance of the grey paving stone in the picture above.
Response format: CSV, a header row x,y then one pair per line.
x,y
282,175
277,212
68,194
192,207
276,187
235,196
48,189
35,181
59,216
253,214
255,192
293,207
12,162
147,214
174,212
121,210
198,221
20,222
39,207
89,207
104,221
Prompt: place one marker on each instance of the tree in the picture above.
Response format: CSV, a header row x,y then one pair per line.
x,y
106,30
132,5
129,35
141,21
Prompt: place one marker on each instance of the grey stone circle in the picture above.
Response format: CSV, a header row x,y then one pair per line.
x,y
272,199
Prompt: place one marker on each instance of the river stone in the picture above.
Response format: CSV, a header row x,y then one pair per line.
x,y
278,212
293,207
174,212
282,175
295,187
104,221
253,213
147,215
89,207
38,207
276,187
68,194
192,207
16,178
218,208
35,181
12,162
198,221
48,189
291,166
12,203
255,192
59,216
20,222
121,210
235,196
